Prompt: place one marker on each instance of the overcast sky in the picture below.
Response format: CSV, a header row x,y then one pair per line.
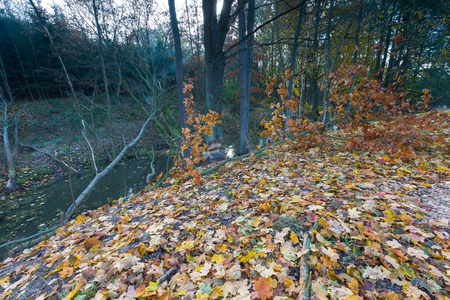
x,y
160,4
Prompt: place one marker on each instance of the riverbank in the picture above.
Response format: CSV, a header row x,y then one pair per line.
x,y
358,222
53,126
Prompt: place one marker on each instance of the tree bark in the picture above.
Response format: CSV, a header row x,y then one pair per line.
x,y
214,33
11,185
277,30
387,42
314,75
179,64
245,73
326,98
355,54
294,57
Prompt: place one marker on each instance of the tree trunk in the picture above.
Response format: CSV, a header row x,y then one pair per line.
x,y
245,73
105,79
314,75
279,45
294,57
214,33
355,55
179,64
326,99
11,185
387,42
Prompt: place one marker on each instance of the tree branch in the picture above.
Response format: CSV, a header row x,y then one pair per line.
x,y
83,196
51,156
263,25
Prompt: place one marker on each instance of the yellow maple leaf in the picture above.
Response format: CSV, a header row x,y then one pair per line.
x,y
187,245
216,292
218,258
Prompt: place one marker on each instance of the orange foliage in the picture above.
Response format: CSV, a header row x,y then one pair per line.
x,y
199,126
372,117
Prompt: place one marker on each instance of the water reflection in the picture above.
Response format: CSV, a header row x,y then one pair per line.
x,y
39,209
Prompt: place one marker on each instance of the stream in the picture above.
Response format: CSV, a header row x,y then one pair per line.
x,y
39,209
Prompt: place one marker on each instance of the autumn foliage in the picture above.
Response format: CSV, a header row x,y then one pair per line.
x,y
371,117
199,126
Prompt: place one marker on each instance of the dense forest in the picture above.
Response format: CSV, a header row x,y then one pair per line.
x,y
103,67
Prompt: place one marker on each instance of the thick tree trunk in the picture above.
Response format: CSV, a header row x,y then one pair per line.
x,y
215,68
214,32
179,63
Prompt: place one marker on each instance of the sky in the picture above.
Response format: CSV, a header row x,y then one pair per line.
x,y
161,4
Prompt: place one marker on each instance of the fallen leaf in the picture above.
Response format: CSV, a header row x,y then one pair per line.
x,y
263,286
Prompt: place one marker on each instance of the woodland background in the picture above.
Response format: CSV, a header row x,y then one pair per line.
x,y
102,67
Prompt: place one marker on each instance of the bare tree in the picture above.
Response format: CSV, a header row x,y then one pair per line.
x,y
11,184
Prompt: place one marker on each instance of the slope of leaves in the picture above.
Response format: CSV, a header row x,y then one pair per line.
x,y
240,235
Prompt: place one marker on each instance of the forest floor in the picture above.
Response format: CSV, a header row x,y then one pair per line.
x,y
287,225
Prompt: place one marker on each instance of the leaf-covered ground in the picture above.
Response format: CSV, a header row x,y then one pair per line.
x,y
244,233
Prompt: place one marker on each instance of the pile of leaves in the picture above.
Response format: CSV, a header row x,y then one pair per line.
x,y
242,234
321,216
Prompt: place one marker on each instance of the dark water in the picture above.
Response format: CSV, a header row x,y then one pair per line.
x,y
39,209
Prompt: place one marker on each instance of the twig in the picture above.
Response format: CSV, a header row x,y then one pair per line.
x,y
90,147
305,274
51,156
168,274
149,176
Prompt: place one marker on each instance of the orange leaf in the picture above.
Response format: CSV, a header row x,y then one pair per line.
x,y
91,242
66,272
264,288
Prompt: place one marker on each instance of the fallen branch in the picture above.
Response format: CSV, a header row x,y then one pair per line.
x,y
51,156
23,240
305,274
168,274
83,196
